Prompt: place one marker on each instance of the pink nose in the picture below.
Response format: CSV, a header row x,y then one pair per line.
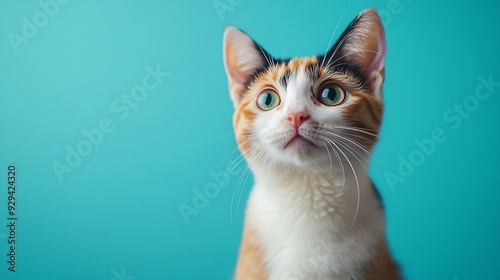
x,y
297,118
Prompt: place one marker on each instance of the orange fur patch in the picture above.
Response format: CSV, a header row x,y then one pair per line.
x,y
382,267
243,118
364,115
250,265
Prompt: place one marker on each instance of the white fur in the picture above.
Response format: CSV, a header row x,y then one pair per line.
x,y
300,208
304,221
274,131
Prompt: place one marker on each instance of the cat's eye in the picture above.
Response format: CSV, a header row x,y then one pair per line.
x,y
268,100
331,94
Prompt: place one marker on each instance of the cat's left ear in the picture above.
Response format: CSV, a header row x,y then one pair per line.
x,y
363,44
243,57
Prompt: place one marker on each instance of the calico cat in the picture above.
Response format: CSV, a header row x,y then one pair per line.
x,y
306,127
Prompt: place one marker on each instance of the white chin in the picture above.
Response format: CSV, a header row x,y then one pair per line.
x,y
300,152
299,143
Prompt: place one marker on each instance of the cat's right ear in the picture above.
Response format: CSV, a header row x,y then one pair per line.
x,y
243,57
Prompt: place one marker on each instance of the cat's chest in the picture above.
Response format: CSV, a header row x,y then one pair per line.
x,y
307,233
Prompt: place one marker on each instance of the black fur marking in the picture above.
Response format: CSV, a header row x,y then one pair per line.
x,y
312,95
285,78
335,56
377,193
348,68
313,72
265,64
337,60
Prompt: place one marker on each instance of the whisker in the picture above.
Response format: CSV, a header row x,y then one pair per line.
x,y
247,169
347,139
335,30
265,56
339,45
329,157
351,149
359,136
236,149
241,193
350,53
215,138
243,187
338,159
355,178
233,165
357,129
231,168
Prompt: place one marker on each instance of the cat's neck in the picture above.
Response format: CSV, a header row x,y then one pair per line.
x,y
326,174
301,214
324,190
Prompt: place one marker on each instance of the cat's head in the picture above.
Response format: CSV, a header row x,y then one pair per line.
x,y
306,111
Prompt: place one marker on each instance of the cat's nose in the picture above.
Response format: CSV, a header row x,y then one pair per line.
x,y
297,118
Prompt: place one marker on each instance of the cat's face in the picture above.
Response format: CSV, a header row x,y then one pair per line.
x,y
308,111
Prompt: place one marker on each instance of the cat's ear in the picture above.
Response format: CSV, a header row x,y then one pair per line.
x,y
363,44
243,57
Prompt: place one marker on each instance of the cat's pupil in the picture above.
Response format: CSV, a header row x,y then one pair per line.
x,y
269,99
330,94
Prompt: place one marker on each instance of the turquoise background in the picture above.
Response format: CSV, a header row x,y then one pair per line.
x,y
116,215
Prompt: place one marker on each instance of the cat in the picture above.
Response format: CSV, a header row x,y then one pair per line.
x,y
306,127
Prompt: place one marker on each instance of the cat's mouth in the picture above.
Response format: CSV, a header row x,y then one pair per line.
x,y
299,141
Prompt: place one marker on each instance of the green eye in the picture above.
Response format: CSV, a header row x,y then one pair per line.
x,y
331,95
268,100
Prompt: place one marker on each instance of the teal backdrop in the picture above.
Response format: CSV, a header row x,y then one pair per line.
x,y
116,117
